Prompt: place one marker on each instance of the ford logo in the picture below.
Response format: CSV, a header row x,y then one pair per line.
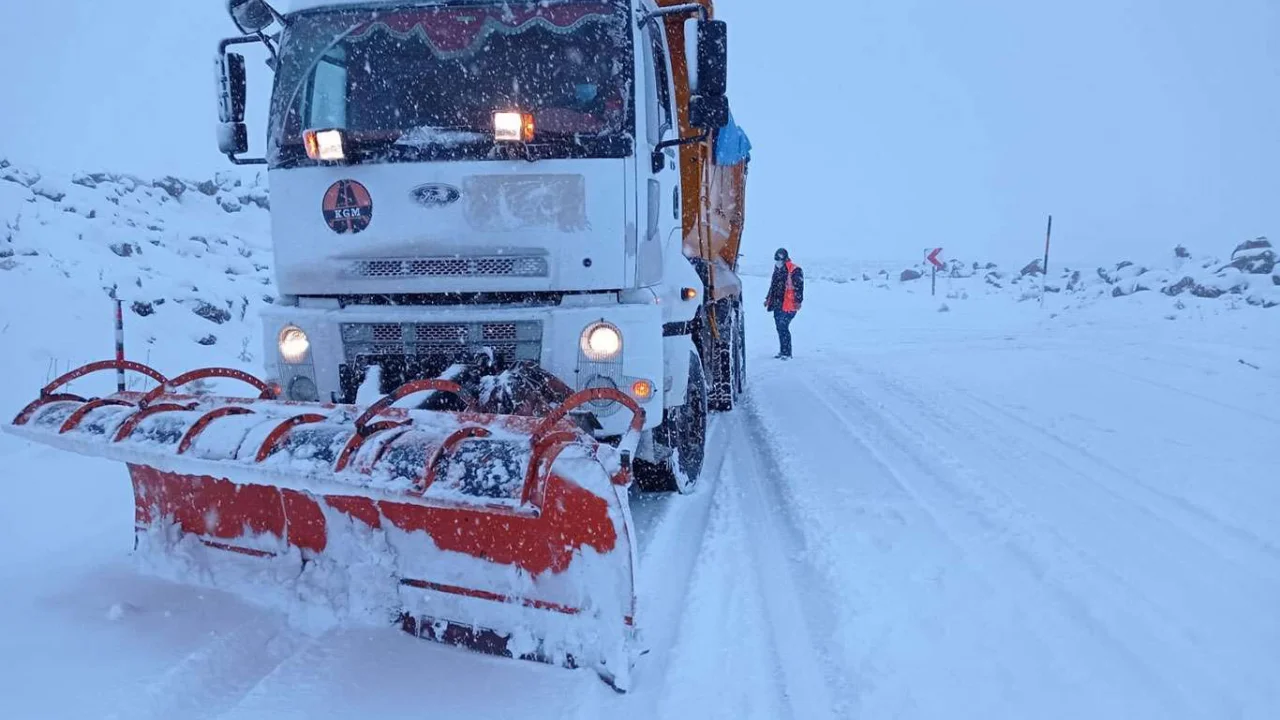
x,y
436,195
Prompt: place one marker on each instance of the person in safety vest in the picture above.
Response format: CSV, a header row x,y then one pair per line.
x,y
786,294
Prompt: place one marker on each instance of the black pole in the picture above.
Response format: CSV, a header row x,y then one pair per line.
x,y
933,290
1047,235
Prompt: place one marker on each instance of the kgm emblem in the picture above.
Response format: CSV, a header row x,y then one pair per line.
x,y
436,195
348,207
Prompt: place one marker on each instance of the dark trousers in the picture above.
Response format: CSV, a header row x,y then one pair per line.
x,y
783,321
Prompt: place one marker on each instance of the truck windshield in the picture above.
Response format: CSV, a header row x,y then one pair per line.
x,y
423,83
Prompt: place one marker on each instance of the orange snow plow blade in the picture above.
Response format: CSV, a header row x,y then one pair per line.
x,y
510,535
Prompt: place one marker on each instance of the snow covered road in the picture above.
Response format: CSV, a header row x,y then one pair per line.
x,y
981,513
1065,522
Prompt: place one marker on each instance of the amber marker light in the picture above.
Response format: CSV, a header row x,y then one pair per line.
x,y
642,390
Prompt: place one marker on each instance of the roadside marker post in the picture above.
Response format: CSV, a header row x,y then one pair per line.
x,y
1044,282
120,384
931,255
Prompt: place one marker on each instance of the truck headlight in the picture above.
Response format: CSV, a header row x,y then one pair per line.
x,y
294,345
601,341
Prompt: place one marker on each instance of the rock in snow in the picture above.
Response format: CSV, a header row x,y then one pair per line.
x,y
1255,257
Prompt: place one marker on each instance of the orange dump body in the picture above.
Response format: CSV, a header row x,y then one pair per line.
x,y
714,196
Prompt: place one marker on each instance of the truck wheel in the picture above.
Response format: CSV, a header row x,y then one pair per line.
x,y
682,434
724,360
739,354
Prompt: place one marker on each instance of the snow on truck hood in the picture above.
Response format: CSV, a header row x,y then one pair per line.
x,y
291,6
286,7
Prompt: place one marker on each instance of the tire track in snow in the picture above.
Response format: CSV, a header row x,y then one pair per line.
x,y
1123,596
895,559
975,566
810,670
952,506
1094,466
725,649
214,678
1167,616
1196,513
1166,387
1000,416
673,529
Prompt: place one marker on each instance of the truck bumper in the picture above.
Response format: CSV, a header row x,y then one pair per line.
x,y
406,340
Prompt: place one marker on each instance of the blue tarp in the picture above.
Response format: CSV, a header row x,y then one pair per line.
x,y
732,144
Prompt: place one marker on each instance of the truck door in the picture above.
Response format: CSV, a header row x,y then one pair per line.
x,y
660,189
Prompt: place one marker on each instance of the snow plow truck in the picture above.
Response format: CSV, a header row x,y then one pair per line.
x,y
506,236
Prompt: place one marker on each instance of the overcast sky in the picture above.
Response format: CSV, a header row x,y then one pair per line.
x,y
880,127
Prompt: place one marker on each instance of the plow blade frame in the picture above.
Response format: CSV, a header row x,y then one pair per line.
x,y
506,534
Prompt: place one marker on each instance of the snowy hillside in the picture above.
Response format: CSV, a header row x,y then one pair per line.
x,y
1000,510
1248,276
191,260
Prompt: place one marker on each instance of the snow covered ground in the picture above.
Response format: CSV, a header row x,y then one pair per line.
x,y
1006,509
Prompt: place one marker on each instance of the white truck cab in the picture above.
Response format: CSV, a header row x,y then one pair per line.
x,y
495,180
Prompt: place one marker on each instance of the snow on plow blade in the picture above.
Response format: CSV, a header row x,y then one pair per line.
x,y
510,535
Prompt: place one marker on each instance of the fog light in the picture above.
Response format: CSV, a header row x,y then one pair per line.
x,y
601,382
303,389
688,294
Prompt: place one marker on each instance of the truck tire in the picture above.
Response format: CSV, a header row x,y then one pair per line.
x,y
683,437
739,354
725,364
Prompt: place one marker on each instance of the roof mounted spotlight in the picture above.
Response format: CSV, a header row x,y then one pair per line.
x,y
325,145
252,16
513,127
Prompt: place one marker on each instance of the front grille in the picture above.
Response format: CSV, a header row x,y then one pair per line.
x,y
386,333
510,342
415,351
442,334
494,332
495,266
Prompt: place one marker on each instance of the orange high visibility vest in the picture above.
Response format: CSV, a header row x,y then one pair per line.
x,y
789,297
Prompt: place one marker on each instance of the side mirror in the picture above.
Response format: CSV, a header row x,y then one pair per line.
x,y
233,134
250,16
233,138
232,88
709,112
707,50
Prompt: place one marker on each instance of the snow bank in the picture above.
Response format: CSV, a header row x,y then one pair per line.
x,y
1250,277
191,260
